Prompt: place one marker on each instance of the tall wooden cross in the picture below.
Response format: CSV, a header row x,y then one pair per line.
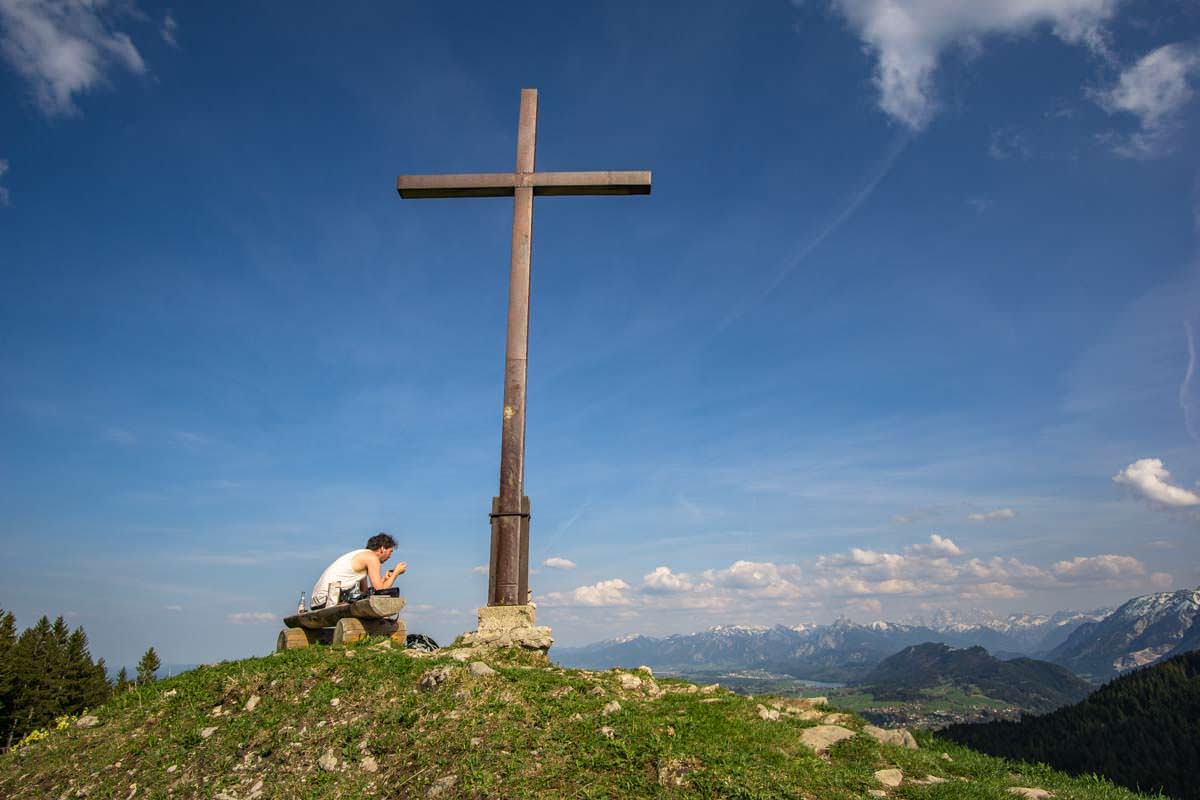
x,y
508,572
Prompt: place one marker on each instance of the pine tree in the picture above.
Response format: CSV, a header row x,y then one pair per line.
x,y
147,667
123,683
8,641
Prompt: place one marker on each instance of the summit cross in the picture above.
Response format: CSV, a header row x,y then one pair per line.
x,y
508,570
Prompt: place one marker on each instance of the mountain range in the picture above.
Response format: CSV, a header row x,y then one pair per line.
x,y
1142,631
1097,644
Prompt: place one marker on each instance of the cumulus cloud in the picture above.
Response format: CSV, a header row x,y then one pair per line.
x,y
938,545
662,579
908,37
999,515
1149,478
558,562
601,593
251,617
1095,569
1154,90
63,48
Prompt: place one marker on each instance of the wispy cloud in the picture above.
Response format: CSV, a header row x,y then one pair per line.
x,y
5,199
119,436
173,608
1154,90
251,617
169,28
909,37
63,48
1149,478
1185,401
999,515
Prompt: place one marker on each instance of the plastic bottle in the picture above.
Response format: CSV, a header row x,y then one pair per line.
x,y
300,608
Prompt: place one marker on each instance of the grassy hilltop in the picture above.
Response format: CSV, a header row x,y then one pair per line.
x,y
371,721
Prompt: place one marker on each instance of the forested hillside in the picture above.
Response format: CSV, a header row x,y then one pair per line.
x,y
45,672
1141,730
1031,684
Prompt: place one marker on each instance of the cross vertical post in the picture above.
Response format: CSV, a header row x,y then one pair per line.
x,y
508,582
508,569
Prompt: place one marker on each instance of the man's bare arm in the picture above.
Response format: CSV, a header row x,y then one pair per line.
x,y
371,562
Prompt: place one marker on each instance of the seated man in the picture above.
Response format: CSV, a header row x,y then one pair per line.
x,y
358,570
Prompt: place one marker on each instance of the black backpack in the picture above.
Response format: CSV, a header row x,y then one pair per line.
x,y
419,641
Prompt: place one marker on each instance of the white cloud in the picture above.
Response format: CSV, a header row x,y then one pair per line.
x,y
251,617
1161,579
480,569
1098,568
663,580
172,608
558,562
1150,478
999,515
169,27
1153,90
991,591
601,593
908,37
938,545
5,199
63,48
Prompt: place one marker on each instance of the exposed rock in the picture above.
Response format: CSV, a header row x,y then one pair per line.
x,y
335,702
480,669
170,693
433,678
646,670
172,768
673,773
889,777
509,626
877,792
769,714
929,780
946,757
442,786
821,737
712,687
628,681
328,761
88,721
207,732
834,719
576,717
611,707
898,736
1031,793
463,654
255,790
369,764
607,732
252,703
597,691
561,691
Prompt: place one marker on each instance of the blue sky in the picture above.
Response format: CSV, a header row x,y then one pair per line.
x,y
908,322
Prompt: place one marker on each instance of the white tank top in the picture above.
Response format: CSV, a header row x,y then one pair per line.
x,y
339,570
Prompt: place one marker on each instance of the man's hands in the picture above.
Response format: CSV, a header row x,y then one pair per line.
x,y
400,568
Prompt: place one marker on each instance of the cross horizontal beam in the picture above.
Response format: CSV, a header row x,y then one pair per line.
x,y
505,184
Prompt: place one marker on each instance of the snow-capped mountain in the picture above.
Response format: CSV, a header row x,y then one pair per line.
x,y
1140,632
839,651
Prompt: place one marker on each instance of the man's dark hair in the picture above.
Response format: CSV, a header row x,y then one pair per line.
x,y
380,540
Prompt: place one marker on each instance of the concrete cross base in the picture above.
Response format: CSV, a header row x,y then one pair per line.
x,y
509,626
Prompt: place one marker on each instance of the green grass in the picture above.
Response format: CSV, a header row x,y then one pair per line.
x,y
531,731
941,698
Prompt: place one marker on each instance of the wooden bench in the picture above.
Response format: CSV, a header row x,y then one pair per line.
x,y
345,623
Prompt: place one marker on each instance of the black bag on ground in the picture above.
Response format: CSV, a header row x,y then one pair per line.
x,y
419,641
